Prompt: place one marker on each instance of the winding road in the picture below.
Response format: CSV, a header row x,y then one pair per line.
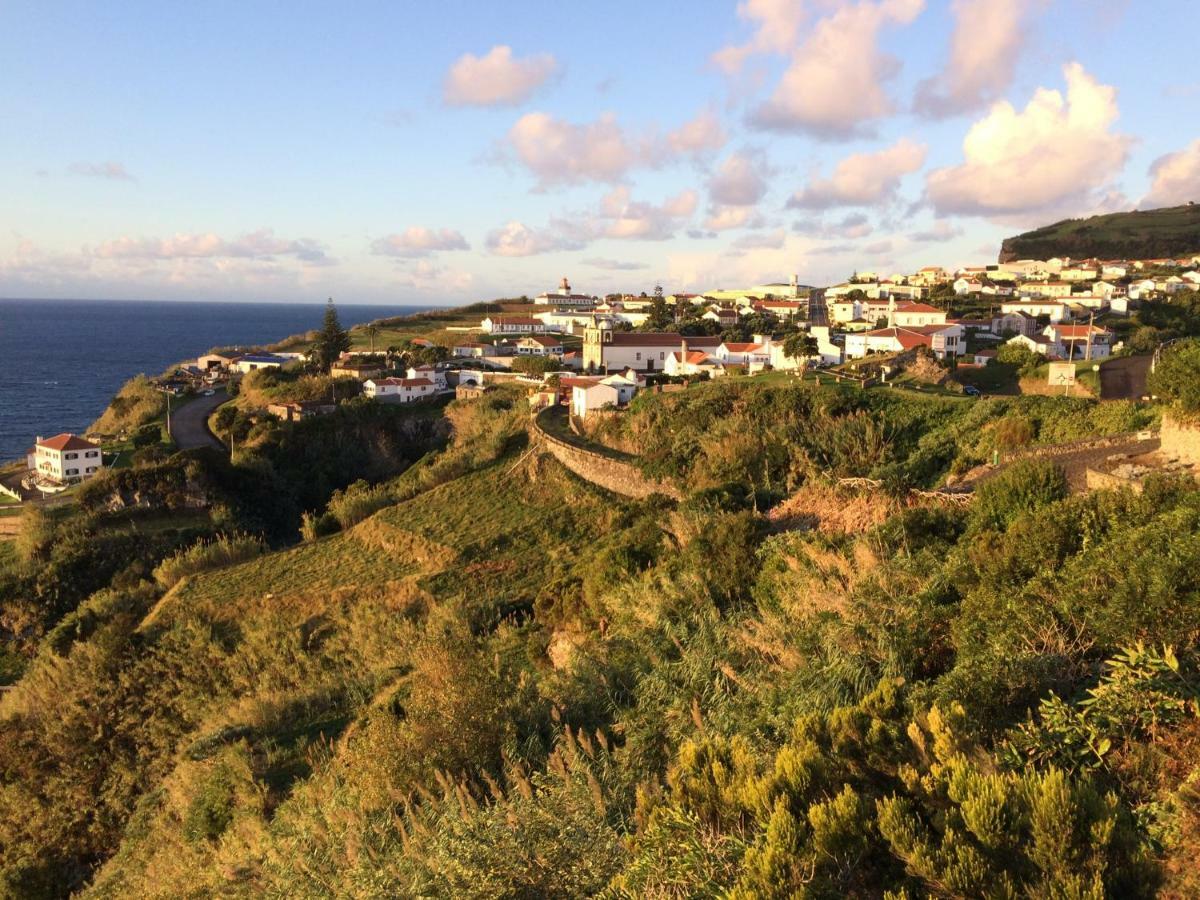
x,y
189,423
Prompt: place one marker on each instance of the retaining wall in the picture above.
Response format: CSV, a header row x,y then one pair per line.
x,y
1180,440
612,474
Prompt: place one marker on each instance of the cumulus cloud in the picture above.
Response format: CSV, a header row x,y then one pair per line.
x,y
725,218
113,171
835,85
424,274
261,245
741,180
941,231
558,152
1057,155
1176,178
700,135
862,179
617,217
518,239
987,41
778,23
614,265
417,241
623,218
497,78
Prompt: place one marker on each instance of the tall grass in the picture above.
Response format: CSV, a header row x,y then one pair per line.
x,y
205,556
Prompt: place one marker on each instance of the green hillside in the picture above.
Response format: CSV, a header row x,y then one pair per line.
x,y
1148,234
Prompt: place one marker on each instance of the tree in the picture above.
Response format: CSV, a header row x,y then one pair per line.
x,y
660,316
332,341
372,333
1176,377
800,346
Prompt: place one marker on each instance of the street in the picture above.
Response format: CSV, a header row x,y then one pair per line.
x,y
189,424
817,314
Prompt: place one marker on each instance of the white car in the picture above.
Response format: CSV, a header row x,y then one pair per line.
x,y
209,393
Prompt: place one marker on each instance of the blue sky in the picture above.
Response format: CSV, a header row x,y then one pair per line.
x,y
384,152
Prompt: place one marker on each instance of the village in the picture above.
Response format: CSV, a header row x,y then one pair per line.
x,y
591,354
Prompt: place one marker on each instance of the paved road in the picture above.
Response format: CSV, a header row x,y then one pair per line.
x,y
189,423
1124,378
817,313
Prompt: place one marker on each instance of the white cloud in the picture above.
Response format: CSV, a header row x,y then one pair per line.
x,y
834,86
614,265
622,218
113,171
1058,155
779,23
939,232
497,78
418,241
261,245
862,179
988,39
724,218
741,180
1176,178
425,274
852,227
559,152
699,135
518,239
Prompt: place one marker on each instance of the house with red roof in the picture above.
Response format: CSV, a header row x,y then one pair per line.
x,y
943,340
916,315
399,390
65,458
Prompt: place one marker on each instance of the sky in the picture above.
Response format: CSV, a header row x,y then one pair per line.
x,y
456,151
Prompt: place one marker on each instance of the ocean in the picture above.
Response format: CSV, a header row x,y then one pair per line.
x,y
61,361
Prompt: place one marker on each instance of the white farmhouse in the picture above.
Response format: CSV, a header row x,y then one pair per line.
x,y
65,458
399,390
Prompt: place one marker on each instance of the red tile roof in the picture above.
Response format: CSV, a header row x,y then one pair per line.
x,y
67,441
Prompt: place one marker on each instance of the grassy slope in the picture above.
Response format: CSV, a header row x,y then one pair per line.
x,y
485,541
1132,235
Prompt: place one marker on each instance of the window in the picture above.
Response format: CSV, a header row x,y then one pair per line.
x,y
639,357
72,471
71,456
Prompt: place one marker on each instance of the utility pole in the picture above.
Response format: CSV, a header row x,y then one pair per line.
x,y
1088,352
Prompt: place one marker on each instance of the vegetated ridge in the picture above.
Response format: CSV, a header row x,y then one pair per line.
x,y
1140,234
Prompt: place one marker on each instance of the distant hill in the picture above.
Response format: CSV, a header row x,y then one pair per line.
x,y
1148,234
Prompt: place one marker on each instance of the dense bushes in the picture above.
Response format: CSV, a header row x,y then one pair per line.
x,y
136,404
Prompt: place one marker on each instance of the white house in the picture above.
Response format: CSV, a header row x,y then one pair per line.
x,y
65,458
743,354
613,391
512,325
609,350
1079,341
430,372
473,350
828,353
964,286
943,340
1046,289
539,345
685,362
399,390
1054,309
915,315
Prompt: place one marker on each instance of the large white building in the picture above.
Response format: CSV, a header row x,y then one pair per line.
x,y
65,458
564,296
399,390
607,350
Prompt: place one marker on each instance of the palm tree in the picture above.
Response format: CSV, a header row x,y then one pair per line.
x,y
372,333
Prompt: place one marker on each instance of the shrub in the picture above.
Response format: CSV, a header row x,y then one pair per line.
x,y
1176,378
1023,486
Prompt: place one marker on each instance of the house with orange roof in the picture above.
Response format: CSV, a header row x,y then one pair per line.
x,y
65,458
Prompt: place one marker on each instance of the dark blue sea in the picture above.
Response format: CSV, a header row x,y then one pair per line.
x,y
61,361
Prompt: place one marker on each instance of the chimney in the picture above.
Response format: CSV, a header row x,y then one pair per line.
x,y
683,349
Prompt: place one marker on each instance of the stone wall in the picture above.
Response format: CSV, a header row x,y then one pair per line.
x,y
605,471
1180,440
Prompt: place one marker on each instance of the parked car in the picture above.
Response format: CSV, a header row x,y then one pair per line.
x,y
209,393
971,391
